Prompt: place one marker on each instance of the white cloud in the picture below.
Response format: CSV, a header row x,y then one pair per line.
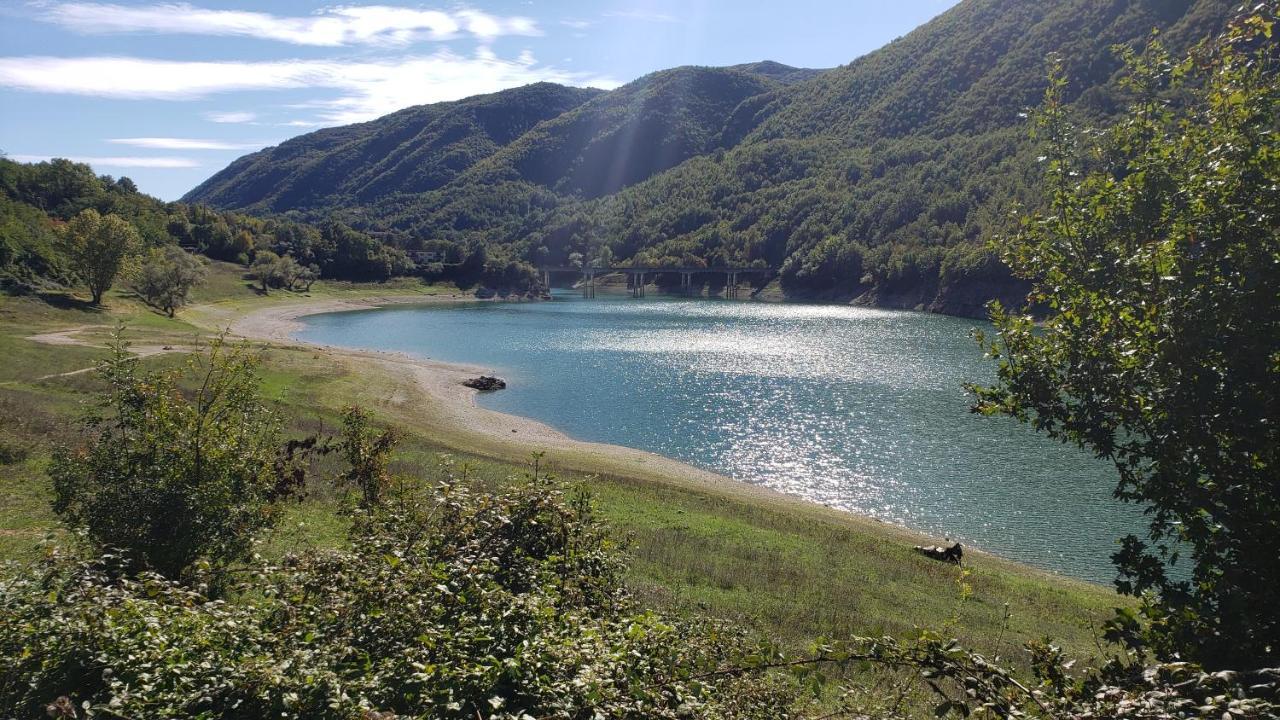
x,y
128,162
365,89
334,26
231,117
168,143
576,24
643,15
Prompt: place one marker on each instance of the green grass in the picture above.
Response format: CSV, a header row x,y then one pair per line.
x,y
794,570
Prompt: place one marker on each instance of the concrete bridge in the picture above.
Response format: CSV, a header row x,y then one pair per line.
x,y
639,276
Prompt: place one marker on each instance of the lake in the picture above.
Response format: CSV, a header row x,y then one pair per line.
x,y
856,408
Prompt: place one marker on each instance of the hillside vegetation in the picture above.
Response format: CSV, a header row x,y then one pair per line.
x,y
882,178
410,151
40,202
235,530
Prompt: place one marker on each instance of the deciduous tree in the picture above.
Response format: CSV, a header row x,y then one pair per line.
x,y
166,276
263,269
98,246
1158,262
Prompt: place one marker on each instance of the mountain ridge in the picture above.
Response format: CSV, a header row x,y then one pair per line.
x,y
459,132
879,179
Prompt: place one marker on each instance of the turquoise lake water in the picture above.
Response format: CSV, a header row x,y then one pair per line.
x,y
856,408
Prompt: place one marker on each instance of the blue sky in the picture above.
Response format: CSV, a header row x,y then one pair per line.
x,y
170,92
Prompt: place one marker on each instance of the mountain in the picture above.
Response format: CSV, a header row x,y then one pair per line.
x,y
410,151
628,135
881,179
581,148
777,71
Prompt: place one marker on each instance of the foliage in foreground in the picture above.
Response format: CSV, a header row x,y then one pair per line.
x,y
445,602
1159,263
449,603
179,480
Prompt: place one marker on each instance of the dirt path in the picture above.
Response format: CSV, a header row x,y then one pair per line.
x,y
70,336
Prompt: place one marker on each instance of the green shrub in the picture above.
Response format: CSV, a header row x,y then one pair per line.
x,y
169,478
446,604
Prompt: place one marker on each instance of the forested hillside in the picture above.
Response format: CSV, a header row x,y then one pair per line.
x,y
881,179
411,151
39,200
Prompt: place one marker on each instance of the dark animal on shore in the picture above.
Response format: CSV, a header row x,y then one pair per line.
x,y
485,383
953,554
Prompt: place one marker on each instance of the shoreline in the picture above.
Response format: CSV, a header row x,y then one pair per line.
x,y
430,395
454,405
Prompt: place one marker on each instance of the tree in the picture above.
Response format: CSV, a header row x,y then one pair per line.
x,y
170,478
264,268
287,271
166,276
603,257
1158,261
307,276
98,246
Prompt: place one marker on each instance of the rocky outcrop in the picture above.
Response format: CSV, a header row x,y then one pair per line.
x,y
484,383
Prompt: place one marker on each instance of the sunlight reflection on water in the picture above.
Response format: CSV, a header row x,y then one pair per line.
x,y
855,408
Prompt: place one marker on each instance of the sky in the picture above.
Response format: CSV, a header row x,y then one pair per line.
x,y
168,93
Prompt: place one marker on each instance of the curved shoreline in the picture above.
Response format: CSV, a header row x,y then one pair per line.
x,y
452,407
437,402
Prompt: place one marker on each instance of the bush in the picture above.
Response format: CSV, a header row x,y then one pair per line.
x,y
1160,352
170,478
446,604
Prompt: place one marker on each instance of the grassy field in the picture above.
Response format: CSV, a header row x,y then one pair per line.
x,y
794,570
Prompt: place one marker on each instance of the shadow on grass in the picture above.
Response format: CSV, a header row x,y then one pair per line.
x,y
67,301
